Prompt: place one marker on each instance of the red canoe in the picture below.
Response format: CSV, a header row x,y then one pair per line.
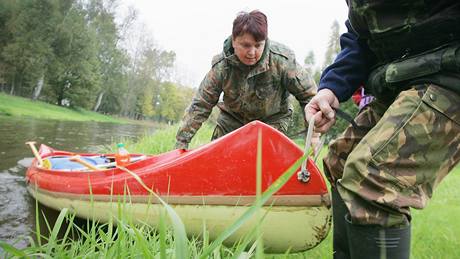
x,y
214,184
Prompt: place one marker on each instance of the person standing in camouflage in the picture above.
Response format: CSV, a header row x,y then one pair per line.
x,y
407,54
255,75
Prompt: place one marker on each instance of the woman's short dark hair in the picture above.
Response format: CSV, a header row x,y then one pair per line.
x,y
254,23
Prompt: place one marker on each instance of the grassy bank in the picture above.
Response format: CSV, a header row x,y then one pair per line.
x,y
23,107
434,230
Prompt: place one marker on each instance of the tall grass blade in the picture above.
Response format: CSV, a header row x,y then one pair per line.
x,y
82,232
69,228
48,227
12,250
92,230
244,243
259,240
37,222
205,235
110,235
142,242
56,228
178,226
162,234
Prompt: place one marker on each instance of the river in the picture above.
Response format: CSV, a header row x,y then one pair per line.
x,y
17,207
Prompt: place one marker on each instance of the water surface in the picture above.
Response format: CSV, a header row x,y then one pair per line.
x,y
17,207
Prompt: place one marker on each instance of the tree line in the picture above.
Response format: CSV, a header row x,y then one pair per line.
x,y
76,53
79,53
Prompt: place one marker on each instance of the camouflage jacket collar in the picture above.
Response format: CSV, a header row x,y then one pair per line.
x,y
261,66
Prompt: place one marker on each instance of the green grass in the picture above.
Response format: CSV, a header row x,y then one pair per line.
x,y
163,140
434,229
23,107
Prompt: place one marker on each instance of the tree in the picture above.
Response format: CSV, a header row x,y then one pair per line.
x,y
310,66
333,46
74,70
298,118
30,25
150,67
7,8
112,59
309,61
173,99
147,103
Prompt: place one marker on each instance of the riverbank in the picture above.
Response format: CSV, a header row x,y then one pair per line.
x,y
15,106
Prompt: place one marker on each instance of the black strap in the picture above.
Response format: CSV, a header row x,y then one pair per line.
x,y
341,114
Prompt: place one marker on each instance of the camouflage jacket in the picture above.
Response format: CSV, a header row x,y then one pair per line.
x,y
414,42
398,29
258,92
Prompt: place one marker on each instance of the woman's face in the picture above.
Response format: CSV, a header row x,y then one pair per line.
x,y
247,49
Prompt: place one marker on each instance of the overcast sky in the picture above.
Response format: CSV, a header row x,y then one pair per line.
x,y
195,30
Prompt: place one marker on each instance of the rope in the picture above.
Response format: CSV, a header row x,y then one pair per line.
x,y
340,114
311,124
304,175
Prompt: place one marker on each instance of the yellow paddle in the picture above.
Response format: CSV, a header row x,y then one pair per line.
x,y
83,162
34,150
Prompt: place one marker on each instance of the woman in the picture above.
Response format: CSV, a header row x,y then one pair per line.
x,y
255,75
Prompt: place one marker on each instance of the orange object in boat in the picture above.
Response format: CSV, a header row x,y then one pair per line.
x,y
122,157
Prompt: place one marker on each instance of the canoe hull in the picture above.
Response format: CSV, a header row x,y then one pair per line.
x,y
214,184
294,228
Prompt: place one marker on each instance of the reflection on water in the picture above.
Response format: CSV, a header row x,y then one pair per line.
x,y
17,207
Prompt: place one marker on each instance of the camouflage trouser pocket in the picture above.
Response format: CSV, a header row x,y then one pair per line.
x,y
443,101
398,164
417,131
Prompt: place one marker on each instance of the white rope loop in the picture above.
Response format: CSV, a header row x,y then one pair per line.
x,y
304,175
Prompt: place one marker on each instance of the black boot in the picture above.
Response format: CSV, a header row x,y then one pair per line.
x,y
378,242
339,239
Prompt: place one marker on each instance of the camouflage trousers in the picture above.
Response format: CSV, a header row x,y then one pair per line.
x,y
227,123
398,159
